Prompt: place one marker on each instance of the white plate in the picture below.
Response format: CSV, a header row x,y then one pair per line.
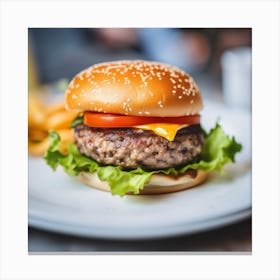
x,y
62,204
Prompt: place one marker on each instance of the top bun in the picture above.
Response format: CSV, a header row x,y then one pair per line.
x,y
137,88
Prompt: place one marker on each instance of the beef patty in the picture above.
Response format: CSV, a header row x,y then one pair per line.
x,y
133,147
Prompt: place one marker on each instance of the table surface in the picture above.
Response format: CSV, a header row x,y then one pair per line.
x,y
232,238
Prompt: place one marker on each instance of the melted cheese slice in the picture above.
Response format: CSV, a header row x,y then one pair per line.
x,y
165,130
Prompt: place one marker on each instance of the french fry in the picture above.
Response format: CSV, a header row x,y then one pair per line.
x,y
60,120
42,119
35,134
36,112
39,149
67,136
55,108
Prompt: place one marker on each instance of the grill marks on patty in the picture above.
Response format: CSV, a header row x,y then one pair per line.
x,y
133,147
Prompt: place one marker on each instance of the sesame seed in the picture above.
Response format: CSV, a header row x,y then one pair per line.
x,y
127,71
160,104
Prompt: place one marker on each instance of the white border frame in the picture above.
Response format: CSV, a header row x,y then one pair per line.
x,y
262,16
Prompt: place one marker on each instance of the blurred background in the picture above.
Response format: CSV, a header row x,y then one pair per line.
x,y
211,55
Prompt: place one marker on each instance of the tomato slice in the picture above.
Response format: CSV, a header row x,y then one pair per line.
x,y
114,120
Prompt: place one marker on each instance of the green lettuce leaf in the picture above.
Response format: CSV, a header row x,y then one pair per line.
x,y
77,121
218,150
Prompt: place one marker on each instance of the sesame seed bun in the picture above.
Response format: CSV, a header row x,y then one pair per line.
x,y
158,184
137,88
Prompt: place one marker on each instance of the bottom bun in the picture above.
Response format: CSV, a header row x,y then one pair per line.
x,y
158,184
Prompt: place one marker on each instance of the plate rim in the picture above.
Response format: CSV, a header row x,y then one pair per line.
x,y
158,232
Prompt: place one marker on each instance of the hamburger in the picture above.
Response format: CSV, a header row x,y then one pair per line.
x,y
138,130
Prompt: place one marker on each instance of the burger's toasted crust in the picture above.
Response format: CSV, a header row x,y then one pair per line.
x,y
138,88
158,184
